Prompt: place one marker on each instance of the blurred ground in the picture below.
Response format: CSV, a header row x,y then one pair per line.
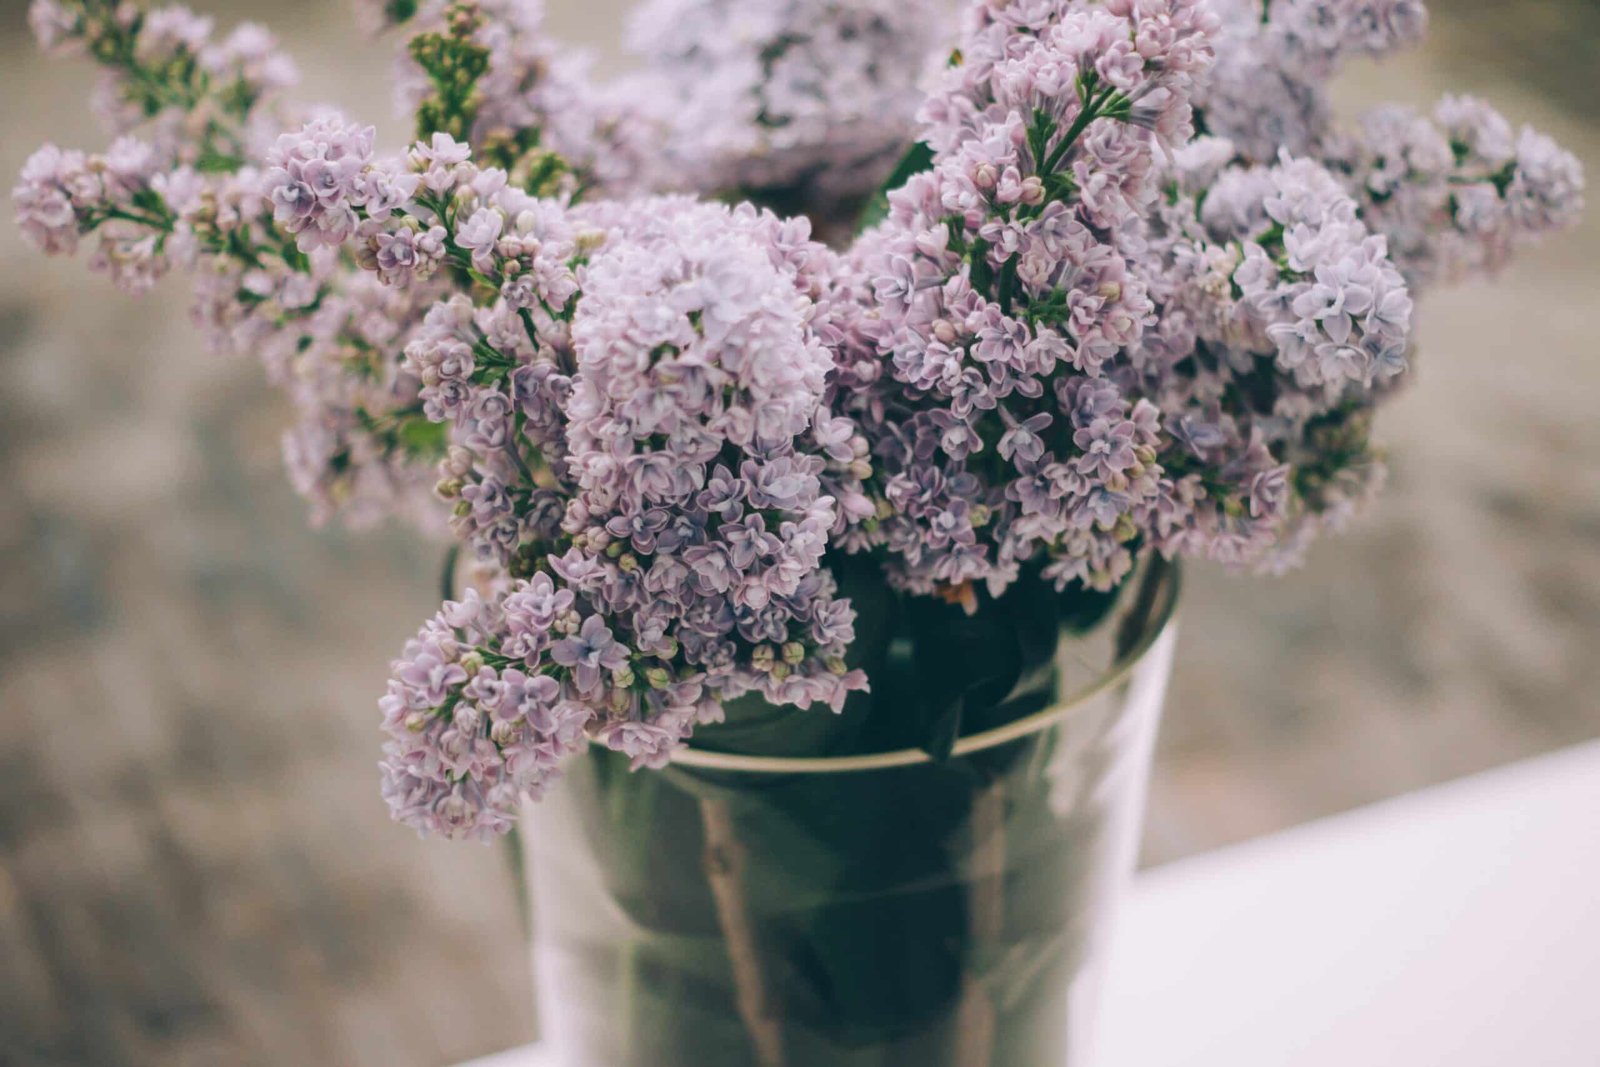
x,y
195,867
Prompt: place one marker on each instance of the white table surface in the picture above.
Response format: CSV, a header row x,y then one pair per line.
x,y
1454,927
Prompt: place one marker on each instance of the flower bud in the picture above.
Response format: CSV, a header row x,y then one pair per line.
x,y
468,718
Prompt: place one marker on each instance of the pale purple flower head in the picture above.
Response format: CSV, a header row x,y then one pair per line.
x,y
316,178
1082,334
813,98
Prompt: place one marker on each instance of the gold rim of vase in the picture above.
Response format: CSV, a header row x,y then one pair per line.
x,y
1165,617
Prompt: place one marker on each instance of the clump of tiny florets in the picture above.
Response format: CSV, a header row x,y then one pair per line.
x,y
1136,292
810,101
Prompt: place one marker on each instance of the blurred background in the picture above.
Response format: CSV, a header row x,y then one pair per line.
x,y
195,865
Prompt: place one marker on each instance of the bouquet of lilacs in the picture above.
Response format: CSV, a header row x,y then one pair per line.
x,y
1108,283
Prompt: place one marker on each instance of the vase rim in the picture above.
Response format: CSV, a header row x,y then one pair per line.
x,y
1164,618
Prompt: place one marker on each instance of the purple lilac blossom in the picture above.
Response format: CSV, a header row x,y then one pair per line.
x,y
316,178
1315,286
537,84
671,390
1456,193
228,89
992,304
1268,90
814,98
183,189
1085,333
317,332
1282,320
474,725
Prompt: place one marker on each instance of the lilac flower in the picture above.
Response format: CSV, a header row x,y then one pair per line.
x,y
1317,34
648,744
815,96
468,741
1268,93
316,179
537,83
1082,333
985,329
479,234
44,199
1455,193
166,80
1545,192
56,25
1332,304
589,650
1021,442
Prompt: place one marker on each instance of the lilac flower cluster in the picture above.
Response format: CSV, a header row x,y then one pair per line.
x,y
193,97
320,333
187,186
1456,192
1267,92
535,85
1318,35
698,449
1281,321
474,725
810,99
994,300
318,176
182,189
635,410
1315,287
1145,297
61,195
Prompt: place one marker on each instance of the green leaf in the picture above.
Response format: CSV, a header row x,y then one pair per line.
x,y
964,664
421,437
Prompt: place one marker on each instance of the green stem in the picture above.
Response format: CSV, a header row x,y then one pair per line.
x,y
985,925
1091,111
725,861
447,573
